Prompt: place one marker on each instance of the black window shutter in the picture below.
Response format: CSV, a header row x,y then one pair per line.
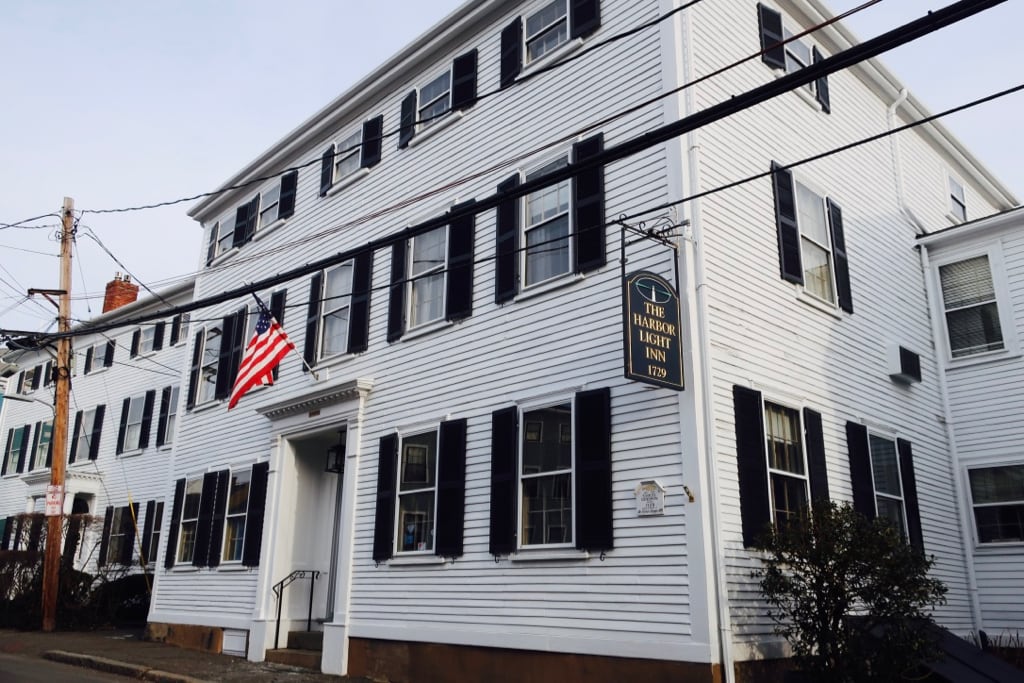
x,y
860,469
821,86
220,509
7,449
5,543
147,418
135,344
165,411
584,17
37,377
384,520
35,445
21,381
49,449
326,170
241,220
108,519
396,304
147,530
289,186
313,321
23,452
785,221
593,418
461,242
451,488
233,327
73,447
504,482
128,516
407,122
204,526
196,370
85,370
97,432
818,468
506,249
769,23
511,52
255,514
175,329
172,530
751,463
253,218
125,407
158,336
588,207
464,80
373,142
844,292
277,309
35,532
211,246
48,377
359,308
909,481
108,358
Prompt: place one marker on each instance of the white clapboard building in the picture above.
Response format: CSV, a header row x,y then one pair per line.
x,y
975,278
464,483
122,420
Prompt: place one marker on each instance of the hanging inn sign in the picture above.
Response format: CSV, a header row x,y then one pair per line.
x,y
651,328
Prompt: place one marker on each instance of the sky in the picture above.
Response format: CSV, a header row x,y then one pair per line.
x,y
116,103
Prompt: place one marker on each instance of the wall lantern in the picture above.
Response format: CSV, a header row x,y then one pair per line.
x,y
336,455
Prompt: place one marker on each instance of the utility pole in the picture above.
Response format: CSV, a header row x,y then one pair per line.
x,y
55,493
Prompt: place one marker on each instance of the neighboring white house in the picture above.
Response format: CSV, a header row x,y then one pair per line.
x,y
467,365
122,421
975,284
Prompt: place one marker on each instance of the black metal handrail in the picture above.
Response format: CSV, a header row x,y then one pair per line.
x,y
278,589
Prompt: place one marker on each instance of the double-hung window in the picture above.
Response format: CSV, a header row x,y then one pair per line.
x,y
548,26
14,452
347,155
84,440
788,481
86,433
971,307
454,89
885,471
42,444
546,29
336,307
136,420
546,476
428,261
781,50
997,495
168,415
235,515
812,242
210,362
338,318
435,98
154,525
120,520
30,379
957,200
356,150
417,491
547,228
99,356
189,519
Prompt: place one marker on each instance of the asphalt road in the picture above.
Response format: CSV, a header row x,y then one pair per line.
x,y
15,669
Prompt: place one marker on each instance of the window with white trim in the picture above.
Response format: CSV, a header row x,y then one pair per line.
x,y
155,525
417,492
42,444
885,473
545,29
347,155
798,56
435,99
167,435
971,307
147,339
781,50
133,424
428,270
118,534
788,483
335,307
997,496
85,434
236,515
547,227
15,444
546,476
189,519
30,379
815,243
209,363
957,200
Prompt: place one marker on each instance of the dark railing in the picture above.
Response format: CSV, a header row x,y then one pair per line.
x,y
278,589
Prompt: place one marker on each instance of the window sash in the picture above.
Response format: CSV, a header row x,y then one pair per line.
x,y
11,456
546,474
154,542
226,234
428,273
189,519
334,310
417,493
997,495
116,537
147,339
133,426
435,98
957,199
236,512
798,56
43,445
972,311
545,30
210,360
270,202
85,434
815,243
788,480
347,155
548,228
887,482
172,415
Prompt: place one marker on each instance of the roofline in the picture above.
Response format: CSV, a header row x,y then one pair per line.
x,y
998,221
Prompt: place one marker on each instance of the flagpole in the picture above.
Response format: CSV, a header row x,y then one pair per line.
x,y
263,306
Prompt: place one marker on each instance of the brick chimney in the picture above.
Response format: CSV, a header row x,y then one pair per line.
x,y
120,292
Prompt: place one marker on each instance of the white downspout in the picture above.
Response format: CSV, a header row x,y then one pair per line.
x,y
704,402
966,539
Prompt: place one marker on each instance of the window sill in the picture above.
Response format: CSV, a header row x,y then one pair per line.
x,y
818,304
144,354
549,286
349,180
263,232
548,554
426,328
423,134
95,371
414,560
560,52
208,405
184,569
132,453
995,548
221,258
982,359
232,568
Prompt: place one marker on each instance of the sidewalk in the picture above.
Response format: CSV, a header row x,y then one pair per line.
x,y
125,653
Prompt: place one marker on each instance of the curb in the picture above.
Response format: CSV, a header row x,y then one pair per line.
x,y
114,666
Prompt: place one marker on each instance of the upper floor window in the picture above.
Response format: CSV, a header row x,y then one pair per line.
x,y
346,155
357,150
272,204
42,445
168,415
427,268
971,307
86,434
957,200
452,90
543,30
208,345
435,98
555,230
30,379
98,356
997,496
780,50
15,450
136,420
336,302
147,339
338,321
812,243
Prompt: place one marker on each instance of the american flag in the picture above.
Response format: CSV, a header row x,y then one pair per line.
x,y
268,346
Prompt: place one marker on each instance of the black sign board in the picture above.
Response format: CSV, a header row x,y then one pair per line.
x,y
651,327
